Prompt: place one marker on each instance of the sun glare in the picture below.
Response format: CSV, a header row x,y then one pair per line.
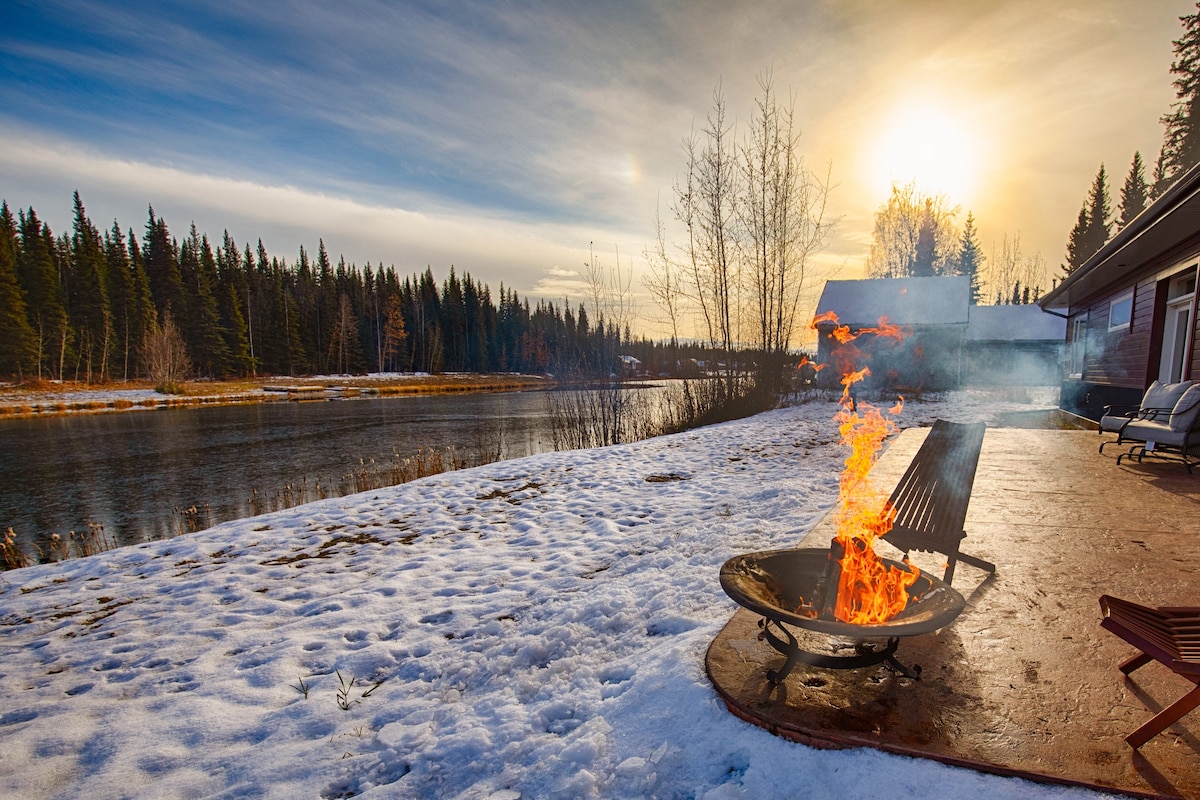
x,y
928,146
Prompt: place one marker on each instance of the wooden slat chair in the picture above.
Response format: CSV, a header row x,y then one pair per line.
x,y
1170,636
931,499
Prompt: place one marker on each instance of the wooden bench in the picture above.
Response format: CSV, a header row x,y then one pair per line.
x,y
931,499
1170,636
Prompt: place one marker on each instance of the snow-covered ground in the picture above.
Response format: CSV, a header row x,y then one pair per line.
x,y
532,628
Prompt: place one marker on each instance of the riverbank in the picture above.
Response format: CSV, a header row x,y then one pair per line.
x,y
542,620
48,398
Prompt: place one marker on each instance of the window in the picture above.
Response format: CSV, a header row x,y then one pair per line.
x,y
1177,328
1078,349
1120,311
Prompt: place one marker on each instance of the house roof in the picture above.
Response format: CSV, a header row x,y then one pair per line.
x,y
1166,225
1027,323
904,301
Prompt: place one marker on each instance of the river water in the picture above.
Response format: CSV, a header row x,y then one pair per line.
x,y
139,473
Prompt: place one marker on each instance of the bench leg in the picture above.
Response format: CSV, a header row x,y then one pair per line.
x,y
1165,718
974,561
1140,660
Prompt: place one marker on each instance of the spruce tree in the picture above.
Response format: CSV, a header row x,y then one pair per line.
x,y
88,298
201,327
1181,139
923,260
1076,242
970,258
17,342
1099,229
1135,193
38,274
129,300
160,259
1159,182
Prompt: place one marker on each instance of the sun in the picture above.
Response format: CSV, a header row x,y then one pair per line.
x,y
928,146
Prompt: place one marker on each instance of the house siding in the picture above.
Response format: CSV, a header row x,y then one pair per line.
x,y
1129,359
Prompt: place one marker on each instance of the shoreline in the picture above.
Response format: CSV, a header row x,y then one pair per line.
x,y
54,398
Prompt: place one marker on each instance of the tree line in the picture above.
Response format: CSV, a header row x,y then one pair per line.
x,y
915,236
1180,151
90,306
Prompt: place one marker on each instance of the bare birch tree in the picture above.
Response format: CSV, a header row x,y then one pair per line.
x,y
782,219
164,355
1008,267
706,205
753,217
896,242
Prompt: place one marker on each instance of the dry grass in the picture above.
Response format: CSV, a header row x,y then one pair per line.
x,y
14,555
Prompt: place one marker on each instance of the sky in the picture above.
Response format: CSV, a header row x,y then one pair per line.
x,y
519,141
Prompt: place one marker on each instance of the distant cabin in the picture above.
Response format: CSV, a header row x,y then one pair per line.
x,y
945,342
1013,346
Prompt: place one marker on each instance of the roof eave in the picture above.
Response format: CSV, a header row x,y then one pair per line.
x,y
1085,278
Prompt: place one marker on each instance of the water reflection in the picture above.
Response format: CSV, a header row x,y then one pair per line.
x,y
133,472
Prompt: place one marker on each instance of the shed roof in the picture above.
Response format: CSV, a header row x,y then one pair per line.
x,y
1023,323
904,301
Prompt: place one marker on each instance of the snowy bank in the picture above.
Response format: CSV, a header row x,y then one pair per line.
x,y
531,628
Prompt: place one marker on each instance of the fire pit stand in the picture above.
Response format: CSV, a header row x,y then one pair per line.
x,y
865,654
776,583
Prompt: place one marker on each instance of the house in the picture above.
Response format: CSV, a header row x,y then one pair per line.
x,y
1131,307
932,314
944,342
1013,346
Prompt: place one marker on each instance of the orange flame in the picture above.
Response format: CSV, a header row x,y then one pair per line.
x,y
869,591
828,316
887,329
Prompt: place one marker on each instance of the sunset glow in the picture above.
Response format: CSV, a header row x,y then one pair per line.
x,y
929,146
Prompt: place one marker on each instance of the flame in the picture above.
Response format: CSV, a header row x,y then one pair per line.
x,y
887,329
869,591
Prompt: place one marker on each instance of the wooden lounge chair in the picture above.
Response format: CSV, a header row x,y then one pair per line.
x,y
1167,635
1156,405
931,499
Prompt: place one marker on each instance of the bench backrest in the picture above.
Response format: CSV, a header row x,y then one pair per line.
x,y
931,499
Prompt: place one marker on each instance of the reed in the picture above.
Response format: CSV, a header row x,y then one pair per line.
x,y
58,548
14,557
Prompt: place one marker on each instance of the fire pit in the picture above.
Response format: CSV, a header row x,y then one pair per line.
x,y
789,587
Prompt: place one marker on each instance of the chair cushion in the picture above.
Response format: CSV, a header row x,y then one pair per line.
x,y
1163,396
1146,430
1112,423
1184,414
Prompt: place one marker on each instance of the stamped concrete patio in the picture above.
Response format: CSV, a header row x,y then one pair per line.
x,y
1025,681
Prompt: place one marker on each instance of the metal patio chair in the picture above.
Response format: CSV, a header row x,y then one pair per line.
x,y
1172,436
1158,401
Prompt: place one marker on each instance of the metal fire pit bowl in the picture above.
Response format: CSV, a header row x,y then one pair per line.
x,y
772,582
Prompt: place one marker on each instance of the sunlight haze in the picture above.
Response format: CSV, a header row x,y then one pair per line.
x,y
515,142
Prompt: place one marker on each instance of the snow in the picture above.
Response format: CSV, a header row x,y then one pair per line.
x,y
536,628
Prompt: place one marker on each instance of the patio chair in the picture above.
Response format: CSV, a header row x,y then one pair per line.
x,y
931,499
1172,437
1156,404
1170,636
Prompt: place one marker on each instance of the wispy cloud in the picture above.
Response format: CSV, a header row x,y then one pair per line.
x,y
518,132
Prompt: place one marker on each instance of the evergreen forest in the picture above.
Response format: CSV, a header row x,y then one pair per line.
x,y
89,306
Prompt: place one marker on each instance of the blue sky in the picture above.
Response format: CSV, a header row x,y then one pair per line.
x,y
508,137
